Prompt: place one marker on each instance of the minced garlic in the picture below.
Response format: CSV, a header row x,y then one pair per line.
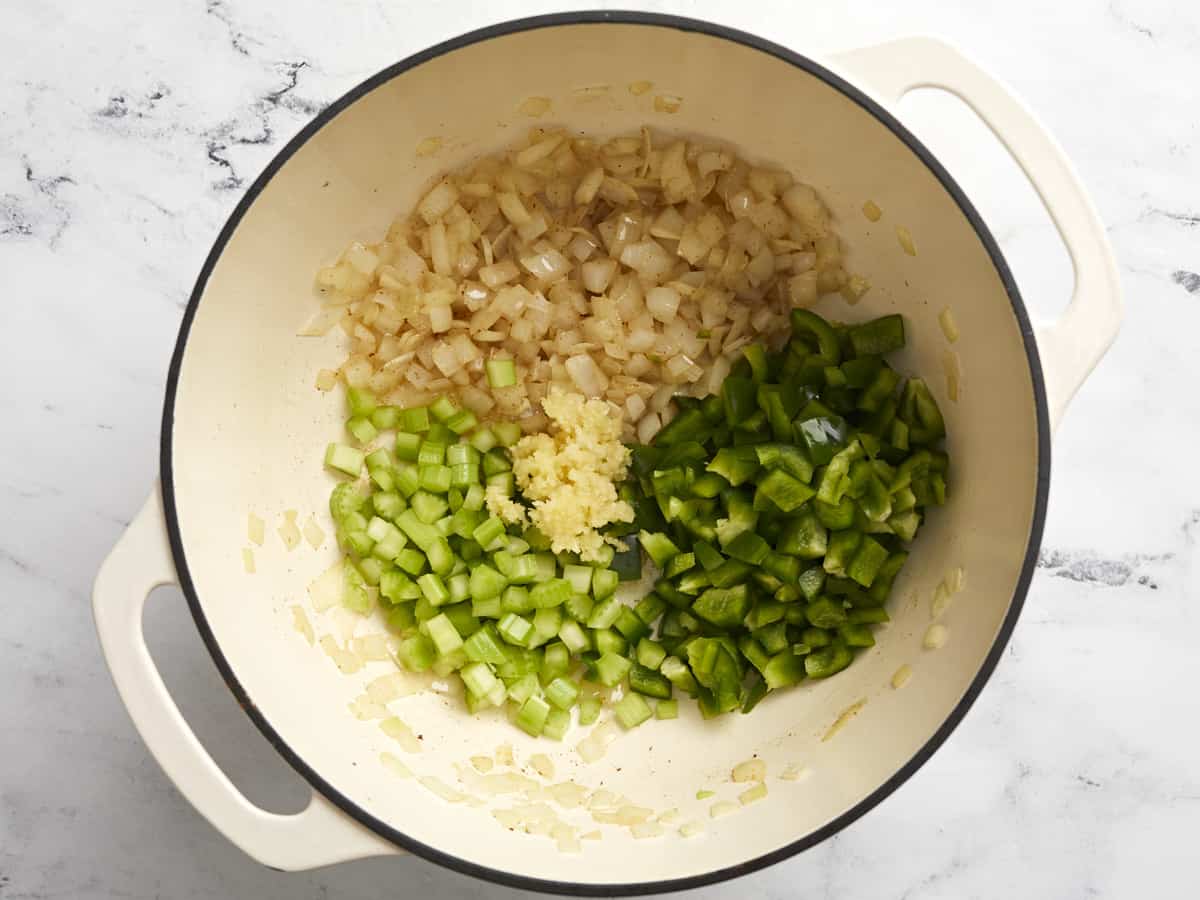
x,y
570,475
503,507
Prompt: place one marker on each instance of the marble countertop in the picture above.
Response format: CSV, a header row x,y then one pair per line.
x,y
128,130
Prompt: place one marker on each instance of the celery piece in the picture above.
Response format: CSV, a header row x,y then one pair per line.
x,y
580,577
414,420
556,660
486,582
604,583
573,636
362,429
344,459
611,668
507,433
442,408
433,589
558,722
551,593
483,439
650,653
516,599
546,623
490,534
579,606
408,446
386,418
482,647
501,373
607,640
459,586
411,561
400,618
441,557
478,678
444,635
605,613
533,716
562,692
589,710
474,498
416,653
632,710
515,629
462,422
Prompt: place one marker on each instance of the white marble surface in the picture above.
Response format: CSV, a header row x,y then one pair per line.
x,y
127,130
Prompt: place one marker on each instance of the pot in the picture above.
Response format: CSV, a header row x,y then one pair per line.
x,y
244,430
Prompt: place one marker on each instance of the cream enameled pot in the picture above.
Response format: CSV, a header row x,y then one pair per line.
x,y
244,429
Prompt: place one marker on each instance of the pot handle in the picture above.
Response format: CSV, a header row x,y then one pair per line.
x,y
319,835
1070,347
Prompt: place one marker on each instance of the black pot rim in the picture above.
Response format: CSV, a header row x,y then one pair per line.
x,y
874,798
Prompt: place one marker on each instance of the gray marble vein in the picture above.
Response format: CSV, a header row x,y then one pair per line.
x,y
129,129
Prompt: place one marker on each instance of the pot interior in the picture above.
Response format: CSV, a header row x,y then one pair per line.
x,y
250,429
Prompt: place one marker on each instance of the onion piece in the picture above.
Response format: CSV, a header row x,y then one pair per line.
x,y
587,375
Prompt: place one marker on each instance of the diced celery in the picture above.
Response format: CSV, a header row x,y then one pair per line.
x,y
344,459
482,647
416,653
605,613
589,710
414,420
362,401
533,716
478,678
579,606
501,373
516,599
556,659
483,439
666,709
431,453
573,636
580,577
632,710
515,629
507,433
562,692
604,583
611,668
434,589
490,534
371,569
558,723
650,653
462,422
362,429
459,586
546,623
443,634
551,593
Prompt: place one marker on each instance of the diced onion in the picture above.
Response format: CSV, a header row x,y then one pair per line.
x,y
750,770
949,326
629,268
437,202
662,303
750,795
587,375
935,636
